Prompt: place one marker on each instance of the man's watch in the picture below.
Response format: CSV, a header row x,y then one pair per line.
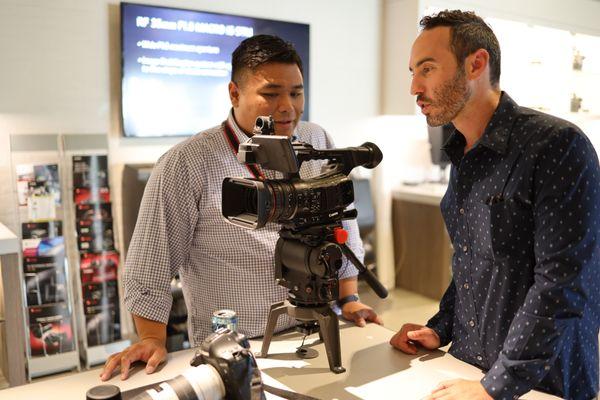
x,y
347,299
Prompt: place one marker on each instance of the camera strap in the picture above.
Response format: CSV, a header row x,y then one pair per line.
x,y
234,143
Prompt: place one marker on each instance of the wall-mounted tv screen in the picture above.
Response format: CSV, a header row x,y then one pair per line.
x,y
176,65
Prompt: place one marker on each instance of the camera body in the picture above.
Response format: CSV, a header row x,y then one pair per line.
x,y
229,353
252,203
292,201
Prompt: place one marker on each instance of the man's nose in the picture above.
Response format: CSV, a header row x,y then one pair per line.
x,y
285,104
415,86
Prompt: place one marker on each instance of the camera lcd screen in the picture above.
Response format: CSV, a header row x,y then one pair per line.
x,y
176,65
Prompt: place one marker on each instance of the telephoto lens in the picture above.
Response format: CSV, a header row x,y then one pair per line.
x,y
202,383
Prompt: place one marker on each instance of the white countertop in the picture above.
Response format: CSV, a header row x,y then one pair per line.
x,y
9,242
424,193
375,370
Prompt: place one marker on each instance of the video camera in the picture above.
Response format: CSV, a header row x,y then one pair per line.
x,y
292,201
308,254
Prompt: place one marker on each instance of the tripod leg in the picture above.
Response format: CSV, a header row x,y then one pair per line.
x,y
329,328
276,310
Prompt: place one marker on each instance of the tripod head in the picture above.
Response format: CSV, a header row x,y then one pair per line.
x,y
307,262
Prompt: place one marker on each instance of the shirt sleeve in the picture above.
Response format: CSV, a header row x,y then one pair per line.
x,y
161,240
566,215
443,322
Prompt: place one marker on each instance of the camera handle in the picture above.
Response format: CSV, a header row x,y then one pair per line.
x,y
364,272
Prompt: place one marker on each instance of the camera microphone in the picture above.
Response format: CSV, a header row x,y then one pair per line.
x,y
366,155
369,155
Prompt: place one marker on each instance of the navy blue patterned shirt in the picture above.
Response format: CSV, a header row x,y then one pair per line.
x,y
522,212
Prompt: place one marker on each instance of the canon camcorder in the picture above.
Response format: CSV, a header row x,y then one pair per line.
x,y
292,201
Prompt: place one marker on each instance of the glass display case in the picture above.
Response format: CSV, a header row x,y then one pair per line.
x,y
552,70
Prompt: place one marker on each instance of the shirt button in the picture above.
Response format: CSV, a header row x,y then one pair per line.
x,y
466,285
479,358
465,248
462,211
472,323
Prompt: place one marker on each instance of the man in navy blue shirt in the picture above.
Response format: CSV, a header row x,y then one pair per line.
x,y
522,211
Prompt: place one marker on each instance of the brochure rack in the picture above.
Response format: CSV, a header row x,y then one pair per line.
x,y
44,275
93,248
67,273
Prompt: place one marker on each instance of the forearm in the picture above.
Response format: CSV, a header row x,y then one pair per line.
x,y
348,286
148,329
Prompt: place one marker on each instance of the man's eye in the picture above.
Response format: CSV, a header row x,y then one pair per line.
x,y
296,94
270,95
426,70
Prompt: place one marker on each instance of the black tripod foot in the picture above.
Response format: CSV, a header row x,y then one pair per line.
x,y
329,330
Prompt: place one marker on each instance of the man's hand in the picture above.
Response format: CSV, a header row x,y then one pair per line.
x,y
459,389
411,334
151,351
360,313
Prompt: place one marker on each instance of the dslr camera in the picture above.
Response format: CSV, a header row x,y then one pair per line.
x,y
223,368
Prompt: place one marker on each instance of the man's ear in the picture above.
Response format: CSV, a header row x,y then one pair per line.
x,y
234,94
477,63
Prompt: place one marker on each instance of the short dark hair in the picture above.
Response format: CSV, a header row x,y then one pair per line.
x,y
468,33
261,49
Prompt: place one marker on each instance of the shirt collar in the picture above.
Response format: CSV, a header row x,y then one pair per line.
x,y
238,132
495,136
455,146
242,136
497,131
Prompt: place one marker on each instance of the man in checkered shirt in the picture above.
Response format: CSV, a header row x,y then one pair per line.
x,y
180,228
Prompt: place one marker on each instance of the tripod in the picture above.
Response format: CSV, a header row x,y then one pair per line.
x,y
307,262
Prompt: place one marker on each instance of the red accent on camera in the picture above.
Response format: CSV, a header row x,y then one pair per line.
x,y
340,235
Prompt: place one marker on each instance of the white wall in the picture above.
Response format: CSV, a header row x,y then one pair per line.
x,y
577,15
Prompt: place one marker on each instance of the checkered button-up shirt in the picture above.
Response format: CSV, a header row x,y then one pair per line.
x,y
180,229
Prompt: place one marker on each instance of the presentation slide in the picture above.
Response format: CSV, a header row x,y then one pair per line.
x,y
176,65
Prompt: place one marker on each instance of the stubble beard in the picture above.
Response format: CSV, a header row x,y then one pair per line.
x,y
451,99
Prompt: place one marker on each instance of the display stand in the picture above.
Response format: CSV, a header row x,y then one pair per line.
x,y
55,328
92,248
43,281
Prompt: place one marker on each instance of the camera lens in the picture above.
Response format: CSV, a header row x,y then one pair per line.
x,y
250,201
103,392
283,201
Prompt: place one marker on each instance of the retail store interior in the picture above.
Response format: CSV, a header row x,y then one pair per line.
x,y
70,113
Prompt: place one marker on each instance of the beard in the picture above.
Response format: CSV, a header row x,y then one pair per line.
x,y
451,97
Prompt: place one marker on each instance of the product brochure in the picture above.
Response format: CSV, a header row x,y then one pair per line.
x,y
50,329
